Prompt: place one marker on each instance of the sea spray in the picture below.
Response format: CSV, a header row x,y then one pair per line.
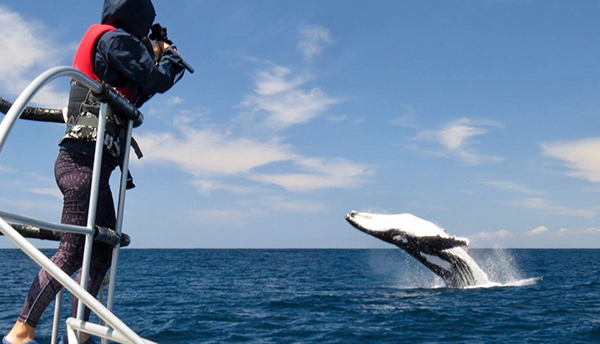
x,y
499,265
480,277
401,270
491,268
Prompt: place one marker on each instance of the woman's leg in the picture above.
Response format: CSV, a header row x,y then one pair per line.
x,y
101,253
73,175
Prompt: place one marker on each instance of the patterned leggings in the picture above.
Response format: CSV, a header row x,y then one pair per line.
x,y
73,172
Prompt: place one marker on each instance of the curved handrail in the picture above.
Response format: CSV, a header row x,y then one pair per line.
x,y
33,88
108,94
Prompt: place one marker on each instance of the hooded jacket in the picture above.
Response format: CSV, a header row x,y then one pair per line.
x,y
120,59
133,16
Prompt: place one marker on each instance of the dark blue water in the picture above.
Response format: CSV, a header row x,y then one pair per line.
x,y
338,296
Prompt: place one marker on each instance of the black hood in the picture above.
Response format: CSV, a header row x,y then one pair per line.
x,y
133,16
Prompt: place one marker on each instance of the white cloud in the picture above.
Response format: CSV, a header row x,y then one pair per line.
x,y
537,231
501,234
26,52
455,135
456,139
580,156
51,191
578,232
319,173
208,152
207,186
593,189
215,157
227,217
545,205
29,206
313,39
337,119
282,100
509,186
4,169
175,100
274,81
406,118
294,206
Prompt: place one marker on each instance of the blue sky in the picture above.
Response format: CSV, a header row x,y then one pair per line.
x,y
480,116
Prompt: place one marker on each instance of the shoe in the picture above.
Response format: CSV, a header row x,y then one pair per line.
x,y
33,341
64,340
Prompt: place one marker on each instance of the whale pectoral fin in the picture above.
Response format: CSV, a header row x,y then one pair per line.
x,y
442,243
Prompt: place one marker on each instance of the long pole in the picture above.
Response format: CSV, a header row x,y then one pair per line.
x,y
91,220
119,227
66,280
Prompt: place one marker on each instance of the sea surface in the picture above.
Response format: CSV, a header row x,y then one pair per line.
x,y
337,296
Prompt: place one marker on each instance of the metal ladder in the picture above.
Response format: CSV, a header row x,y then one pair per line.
x,y
114,329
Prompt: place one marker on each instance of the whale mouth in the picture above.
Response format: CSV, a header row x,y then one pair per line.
x,y
351,217
364,222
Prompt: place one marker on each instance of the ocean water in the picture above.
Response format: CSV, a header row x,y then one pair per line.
x,y
338,296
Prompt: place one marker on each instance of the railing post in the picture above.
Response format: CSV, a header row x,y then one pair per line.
x,y
120,212
91,220
55,326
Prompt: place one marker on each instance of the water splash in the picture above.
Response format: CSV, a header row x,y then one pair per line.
x,y
479,275
491,268
501,269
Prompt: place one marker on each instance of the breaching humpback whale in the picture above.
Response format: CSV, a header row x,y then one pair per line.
x,y
426,242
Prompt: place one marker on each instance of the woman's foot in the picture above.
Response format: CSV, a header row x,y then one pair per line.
x,y
33,341
85,339
21,333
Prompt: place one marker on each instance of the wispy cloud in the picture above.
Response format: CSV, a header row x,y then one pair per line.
x,y
318,173
30,206
209,154
406,118
510,186
456,139
227,217
50,191
548,207
208,186
293,205
580,157
175,100
25,54
313,39
4,169
337,119
282,100
500,234
537,231
578,232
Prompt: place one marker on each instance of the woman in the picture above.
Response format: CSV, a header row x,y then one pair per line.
x,y
118,53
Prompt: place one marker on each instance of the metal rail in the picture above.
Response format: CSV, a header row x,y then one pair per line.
x,y
118,331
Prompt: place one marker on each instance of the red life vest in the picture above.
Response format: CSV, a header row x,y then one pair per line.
x,y
84,55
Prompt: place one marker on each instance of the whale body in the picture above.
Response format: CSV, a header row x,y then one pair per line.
x,y
425,241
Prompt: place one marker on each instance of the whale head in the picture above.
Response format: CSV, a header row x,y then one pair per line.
x,y
404,230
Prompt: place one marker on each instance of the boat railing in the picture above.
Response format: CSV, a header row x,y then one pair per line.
x,y
112,328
